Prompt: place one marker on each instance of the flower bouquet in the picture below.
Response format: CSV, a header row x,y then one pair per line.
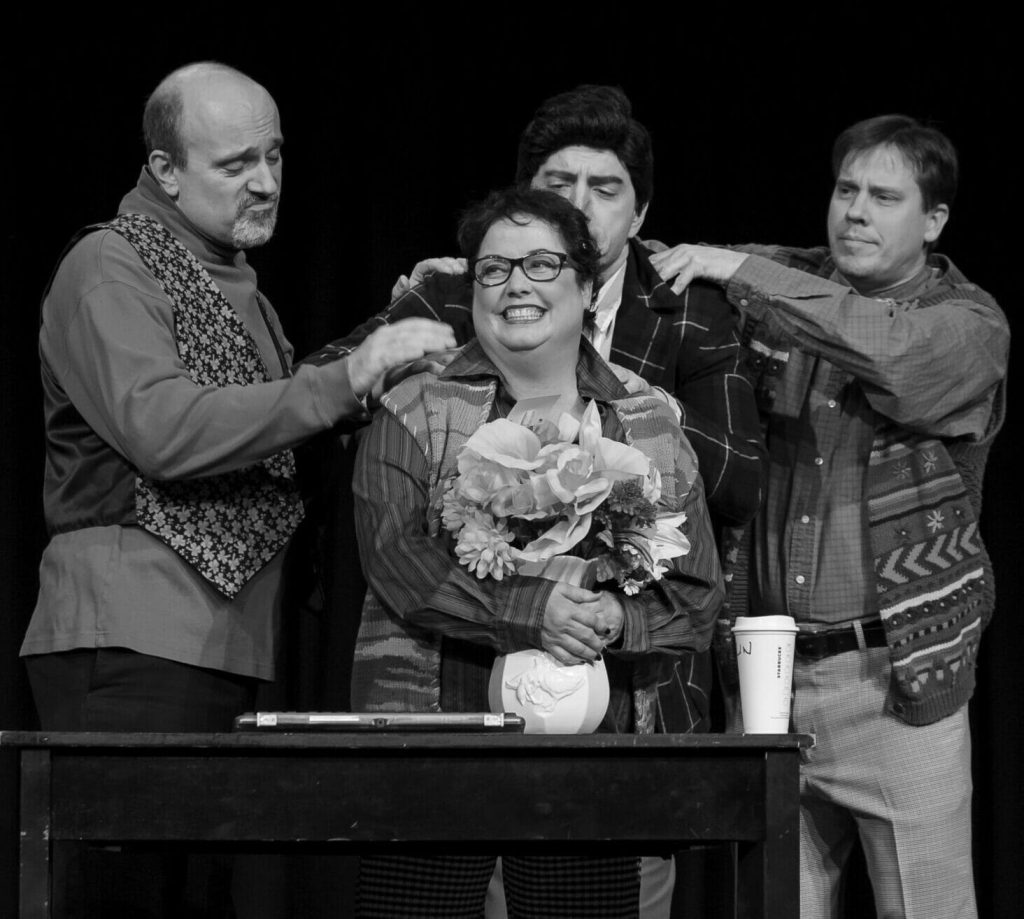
x,y
542,498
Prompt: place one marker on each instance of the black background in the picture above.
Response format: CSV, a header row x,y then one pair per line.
x,y
393,126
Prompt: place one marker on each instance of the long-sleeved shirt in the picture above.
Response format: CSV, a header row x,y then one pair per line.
x,y
119,400
851,367
415,576
687,345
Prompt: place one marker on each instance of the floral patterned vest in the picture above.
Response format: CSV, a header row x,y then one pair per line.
x,y
225,526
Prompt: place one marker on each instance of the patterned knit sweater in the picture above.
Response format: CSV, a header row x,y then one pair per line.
x,y
934,585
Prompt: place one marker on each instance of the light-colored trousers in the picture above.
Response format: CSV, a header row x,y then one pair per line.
x,y
904,790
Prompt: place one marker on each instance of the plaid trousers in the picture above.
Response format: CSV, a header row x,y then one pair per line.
x,y
536,887
905,790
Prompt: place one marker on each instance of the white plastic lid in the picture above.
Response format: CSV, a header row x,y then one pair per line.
x,y
765,624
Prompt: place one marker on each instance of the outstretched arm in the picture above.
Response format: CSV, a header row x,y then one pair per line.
x,y
933,369
108,342
440,298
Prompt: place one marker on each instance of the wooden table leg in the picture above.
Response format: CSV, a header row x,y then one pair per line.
x,y
782,843
768,871
36,865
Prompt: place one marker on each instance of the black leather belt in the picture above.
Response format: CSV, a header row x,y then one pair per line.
x,y
817,645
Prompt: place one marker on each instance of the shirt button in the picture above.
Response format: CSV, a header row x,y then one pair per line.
x,y
831,403
800,579
818,461
805,519
744,302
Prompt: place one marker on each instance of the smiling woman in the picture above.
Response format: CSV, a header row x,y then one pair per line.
x,y
534,264
431,626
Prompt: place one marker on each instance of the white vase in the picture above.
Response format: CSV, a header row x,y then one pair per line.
x,y
552,698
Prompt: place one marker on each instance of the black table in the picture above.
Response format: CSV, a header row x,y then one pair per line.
x,y
348,793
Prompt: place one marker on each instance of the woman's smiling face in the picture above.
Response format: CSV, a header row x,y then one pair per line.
x,y
522,315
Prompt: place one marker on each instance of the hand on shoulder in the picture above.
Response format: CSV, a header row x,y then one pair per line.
x,y
443,265
392,346
685,263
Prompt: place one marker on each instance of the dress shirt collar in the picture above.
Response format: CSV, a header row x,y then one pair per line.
x,y
608,299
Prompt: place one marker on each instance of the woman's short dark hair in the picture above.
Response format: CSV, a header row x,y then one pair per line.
x,y
600,117
521,205
927,150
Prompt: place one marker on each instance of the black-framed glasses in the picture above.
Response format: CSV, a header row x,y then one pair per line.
x,y
542,265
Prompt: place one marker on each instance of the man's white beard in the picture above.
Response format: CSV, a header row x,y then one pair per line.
x,y
253,228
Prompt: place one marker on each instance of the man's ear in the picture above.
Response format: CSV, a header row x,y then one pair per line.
x,y
638,221
165,172
935,220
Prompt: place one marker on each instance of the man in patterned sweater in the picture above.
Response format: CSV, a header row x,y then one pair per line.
x,y
171,410
880,373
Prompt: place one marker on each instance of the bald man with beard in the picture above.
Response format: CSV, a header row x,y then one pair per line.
x,y
171,410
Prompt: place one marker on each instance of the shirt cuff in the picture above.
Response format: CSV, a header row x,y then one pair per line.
x,y
522,620
634,638
332,392
749,287
760,283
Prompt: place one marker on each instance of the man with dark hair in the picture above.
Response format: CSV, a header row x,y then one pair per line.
x,y
586,146
577,144
171,409
880,373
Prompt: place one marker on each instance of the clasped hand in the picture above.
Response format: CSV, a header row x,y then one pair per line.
x,y
442,265
579,623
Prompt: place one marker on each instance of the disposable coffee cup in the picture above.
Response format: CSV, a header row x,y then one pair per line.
x,y
764,653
